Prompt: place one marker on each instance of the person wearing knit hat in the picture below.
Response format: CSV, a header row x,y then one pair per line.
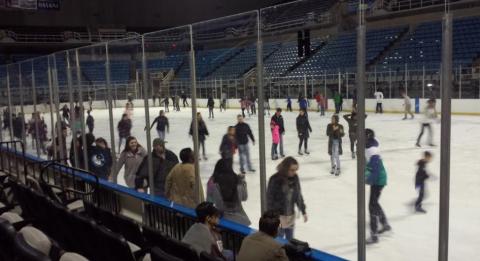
x,y
376,177
163,161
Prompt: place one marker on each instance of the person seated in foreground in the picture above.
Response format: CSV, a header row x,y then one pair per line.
x,y
203,237
262,246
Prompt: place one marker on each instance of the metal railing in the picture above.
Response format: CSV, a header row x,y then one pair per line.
x,y
152,211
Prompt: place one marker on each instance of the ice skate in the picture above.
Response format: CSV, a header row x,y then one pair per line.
x,y
418,145
205,157
372,240
353,155
337,172
307,152
251,170
384,229
300,153
419,209
332,171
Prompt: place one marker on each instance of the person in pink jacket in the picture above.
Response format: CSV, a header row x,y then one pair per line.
x,y
275,139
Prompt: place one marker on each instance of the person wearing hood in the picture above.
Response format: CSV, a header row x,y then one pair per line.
x,y
376,177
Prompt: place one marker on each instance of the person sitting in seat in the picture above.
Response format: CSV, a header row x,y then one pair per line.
x,y
261,246
203,237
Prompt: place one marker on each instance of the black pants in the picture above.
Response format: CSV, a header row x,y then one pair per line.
x,y
429,127
185,103
202,145
304,141
337,108
379,108
353,141
210,112
243,112
254,109
376,211
289,107
421,194
90,129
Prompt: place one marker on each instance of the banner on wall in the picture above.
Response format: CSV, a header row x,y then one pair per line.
x,y
22,4
49,4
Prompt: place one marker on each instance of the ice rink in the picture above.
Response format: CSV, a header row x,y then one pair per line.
x,y
331,201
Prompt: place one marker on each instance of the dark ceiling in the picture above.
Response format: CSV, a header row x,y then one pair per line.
x,y
142,15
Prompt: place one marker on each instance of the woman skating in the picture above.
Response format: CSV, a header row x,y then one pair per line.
x,y
131,157
303,130
283,194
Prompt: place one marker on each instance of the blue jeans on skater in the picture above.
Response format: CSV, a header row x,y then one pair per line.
x,y
161,134
120,142
286,233
244,154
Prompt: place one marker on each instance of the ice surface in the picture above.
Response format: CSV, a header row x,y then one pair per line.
x,y
331,201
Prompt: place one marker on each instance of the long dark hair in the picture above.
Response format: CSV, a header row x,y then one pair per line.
x,y
227,179
284,166
130,138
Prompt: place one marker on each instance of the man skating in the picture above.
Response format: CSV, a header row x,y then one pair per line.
x,y
242,133
407,106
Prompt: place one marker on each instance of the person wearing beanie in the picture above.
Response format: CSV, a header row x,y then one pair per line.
x,y
376,177
352,130
163,161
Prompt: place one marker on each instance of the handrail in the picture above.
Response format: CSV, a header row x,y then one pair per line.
x,y
71,171
227,225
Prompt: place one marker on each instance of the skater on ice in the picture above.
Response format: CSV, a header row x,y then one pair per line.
x,y
429,118
242,135
420,177
202,133
335,133
407,104
376,178
352,130
278,119
130,158
162,125
284,194
303,130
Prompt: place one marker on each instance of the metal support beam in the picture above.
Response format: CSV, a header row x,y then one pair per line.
x,y
445,137
72,108
360,79
261,118
36,120
110,109
193,79
10,111
22,110
151,180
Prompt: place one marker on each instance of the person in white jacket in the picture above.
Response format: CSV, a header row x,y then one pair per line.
x,y
430,115
407,105
379,97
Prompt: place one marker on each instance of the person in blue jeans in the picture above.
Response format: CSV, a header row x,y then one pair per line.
x,y
242,133
283,194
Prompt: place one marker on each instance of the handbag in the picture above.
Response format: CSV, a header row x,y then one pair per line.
x,y
242,190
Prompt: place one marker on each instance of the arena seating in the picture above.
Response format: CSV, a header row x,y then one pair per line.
x,y
400,5
293,11
423,46
340,53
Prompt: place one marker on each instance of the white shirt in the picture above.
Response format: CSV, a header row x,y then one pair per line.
x,y
407,101
379,96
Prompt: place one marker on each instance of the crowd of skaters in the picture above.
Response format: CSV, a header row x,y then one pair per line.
x,y
175,179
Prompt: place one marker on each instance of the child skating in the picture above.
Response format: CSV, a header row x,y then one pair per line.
x,y
420,178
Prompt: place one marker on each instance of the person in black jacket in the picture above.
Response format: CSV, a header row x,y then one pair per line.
x,y
162,124
18,126
283,193
278,119
210,105
242,133
163,160
303,130
90,121
335,133
202,133
100,159
420,178
228,145
352,130
124,127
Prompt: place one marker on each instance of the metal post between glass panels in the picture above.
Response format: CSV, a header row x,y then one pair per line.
x,y
58,124
110,108
147,118
72,108
360,79
80,100
261,119
22,110
36,117
445,138
10,109
193,79
50,97
460,82
423,82
406,79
